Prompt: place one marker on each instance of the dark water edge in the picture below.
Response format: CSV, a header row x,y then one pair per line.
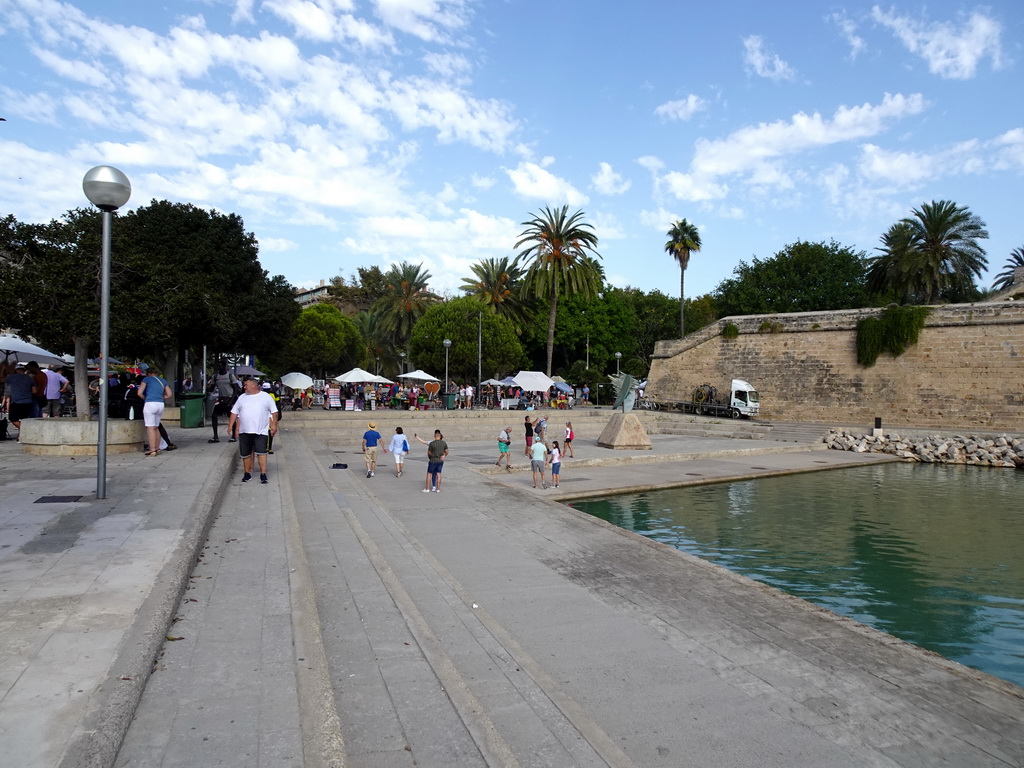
x,y
931,554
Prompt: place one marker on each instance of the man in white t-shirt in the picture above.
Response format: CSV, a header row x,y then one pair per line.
x,y
469,395
256,415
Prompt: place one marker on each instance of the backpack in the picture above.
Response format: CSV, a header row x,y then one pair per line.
x,y
406,444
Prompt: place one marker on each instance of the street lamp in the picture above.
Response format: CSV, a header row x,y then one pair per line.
x,y
618,357
377,369
402,355
447,346
108,189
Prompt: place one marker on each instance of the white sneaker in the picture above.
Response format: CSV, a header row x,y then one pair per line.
x,y
435,490
426,490
372,474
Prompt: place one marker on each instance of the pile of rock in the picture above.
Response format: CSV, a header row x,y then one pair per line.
x,y
1002,451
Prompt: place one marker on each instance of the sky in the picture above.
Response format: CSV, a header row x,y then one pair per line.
x,y
350,133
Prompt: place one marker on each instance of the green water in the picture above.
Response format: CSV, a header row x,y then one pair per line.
x,y
931,554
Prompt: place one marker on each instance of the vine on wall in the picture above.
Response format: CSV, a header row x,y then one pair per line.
x,y
897,328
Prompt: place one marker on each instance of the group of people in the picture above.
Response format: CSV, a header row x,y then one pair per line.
x,y
437,452
538,450
30,391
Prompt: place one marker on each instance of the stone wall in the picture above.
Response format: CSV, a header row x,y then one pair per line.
x,y
967,369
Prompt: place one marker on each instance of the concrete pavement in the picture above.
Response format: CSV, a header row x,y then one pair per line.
x,y
342,620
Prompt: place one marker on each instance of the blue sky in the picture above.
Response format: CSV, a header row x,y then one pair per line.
x,y
348,133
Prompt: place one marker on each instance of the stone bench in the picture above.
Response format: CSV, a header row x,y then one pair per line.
x,y
71,437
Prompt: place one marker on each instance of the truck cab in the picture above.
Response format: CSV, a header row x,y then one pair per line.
x,y
744,399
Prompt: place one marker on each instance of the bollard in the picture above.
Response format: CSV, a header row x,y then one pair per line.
x,y
877,431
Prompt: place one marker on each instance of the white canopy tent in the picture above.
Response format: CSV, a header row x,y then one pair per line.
x,y
419,375
359,376
533,381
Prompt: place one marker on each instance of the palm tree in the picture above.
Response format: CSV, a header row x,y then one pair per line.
x,y
498,283
405,300
560,246
683,240
933,252
896,268
1005,278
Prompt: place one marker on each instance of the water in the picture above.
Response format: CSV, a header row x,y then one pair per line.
x,y
931,554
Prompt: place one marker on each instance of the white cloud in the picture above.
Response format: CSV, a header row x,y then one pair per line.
x,y
952,50
849,30
660,219
763,63
607,226
748,147
608,182
451,66
1010,150
482,182
532,180
277,244
682,109
430,20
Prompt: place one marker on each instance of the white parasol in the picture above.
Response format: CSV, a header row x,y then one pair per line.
x,y
419,375
533,381
296,380
357,376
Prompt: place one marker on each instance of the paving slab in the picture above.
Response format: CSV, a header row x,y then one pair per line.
x,y
85,588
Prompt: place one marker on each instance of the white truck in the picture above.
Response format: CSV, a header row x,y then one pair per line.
x,y
742,400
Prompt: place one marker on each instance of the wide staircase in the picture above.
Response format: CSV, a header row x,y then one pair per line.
x,y
346,428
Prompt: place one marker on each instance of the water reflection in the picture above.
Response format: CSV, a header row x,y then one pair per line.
x,y
930,554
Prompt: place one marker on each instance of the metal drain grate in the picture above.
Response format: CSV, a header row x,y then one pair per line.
x,y
57,499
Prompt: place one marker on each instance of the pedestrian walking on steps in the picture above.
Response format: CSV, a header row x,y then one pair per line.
x,y
371,437
570,435
399,447
504,448
437,452
254,417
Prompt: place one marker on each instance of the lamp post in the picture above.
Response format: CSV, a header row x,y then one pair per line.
x,y
447,346
402,356
618,357
108,189
377,369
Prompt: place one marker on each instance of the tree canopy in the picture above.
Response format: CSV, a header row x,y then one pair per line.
x,y
323,340
802,277
458,320
683,239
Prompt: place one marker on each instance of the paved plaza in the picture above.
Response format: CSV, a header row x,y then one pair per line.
x,y
330,619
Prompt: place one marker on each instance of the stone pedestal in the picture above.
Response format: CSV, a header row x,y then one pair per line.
x,y
624,432
71,437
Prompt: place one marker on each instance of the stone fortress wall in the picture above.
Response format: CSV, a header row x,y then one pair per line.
x,y
967,369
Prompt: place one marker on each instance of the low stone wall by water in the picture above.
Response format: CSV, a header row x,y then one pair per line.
x,y
1002,451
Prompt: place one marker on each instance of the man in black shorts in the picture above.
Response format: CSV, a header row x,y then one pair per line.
x,y
256,415
225,384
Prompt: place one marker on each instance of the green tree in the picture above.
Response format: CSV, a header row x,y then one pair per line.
x,y
931,255
1005,278
457,320
404,301
498,284
684,239
359,292
803,277
323,340
560,247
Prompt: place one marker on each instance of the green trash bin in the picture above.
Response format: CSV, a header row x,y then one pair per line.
x,y
193,410
449,401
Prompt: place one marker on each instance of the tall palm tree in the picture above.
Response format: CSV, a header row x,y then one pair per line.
x,y
896,267
405,299
932,252
1005,278
560,246
498,284
683,239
